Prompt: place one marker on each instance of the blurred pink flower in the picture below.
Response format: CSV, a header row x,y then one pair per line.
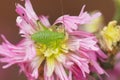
x,y
114,73
68,58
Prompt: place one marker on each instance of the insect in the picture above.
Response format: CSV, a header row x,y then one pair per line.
x,y
47,36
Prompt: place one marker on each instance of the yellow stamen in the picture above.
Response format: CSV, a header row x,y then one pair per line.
x,y
111,34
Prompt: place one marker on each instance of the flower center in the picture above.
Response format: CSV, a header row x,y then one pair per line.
x,y
52,49
50,41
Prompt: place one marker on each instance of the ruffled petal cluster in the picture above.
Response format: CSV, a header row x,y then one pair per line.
x,y
71,23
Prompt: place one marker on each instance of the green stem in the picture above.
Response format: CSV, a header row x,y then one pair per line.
x,y
117,10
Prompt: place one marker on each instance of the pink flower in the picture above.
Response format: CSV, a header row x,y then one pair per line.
x,y
65,54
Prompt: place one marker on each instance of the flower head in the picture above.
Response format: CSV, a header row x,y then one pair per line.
x,y
62,52
110,35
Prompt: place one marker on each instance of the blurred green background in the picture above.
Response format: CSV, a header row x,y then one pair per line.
x,y
51,8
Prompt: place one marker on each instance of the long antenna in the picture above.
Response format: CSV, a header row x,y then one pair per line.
x,y
61,4
62,12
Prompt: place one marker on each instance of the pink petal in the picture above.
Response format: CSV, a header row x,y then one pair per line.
x,y
60,72
30,10
44,20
